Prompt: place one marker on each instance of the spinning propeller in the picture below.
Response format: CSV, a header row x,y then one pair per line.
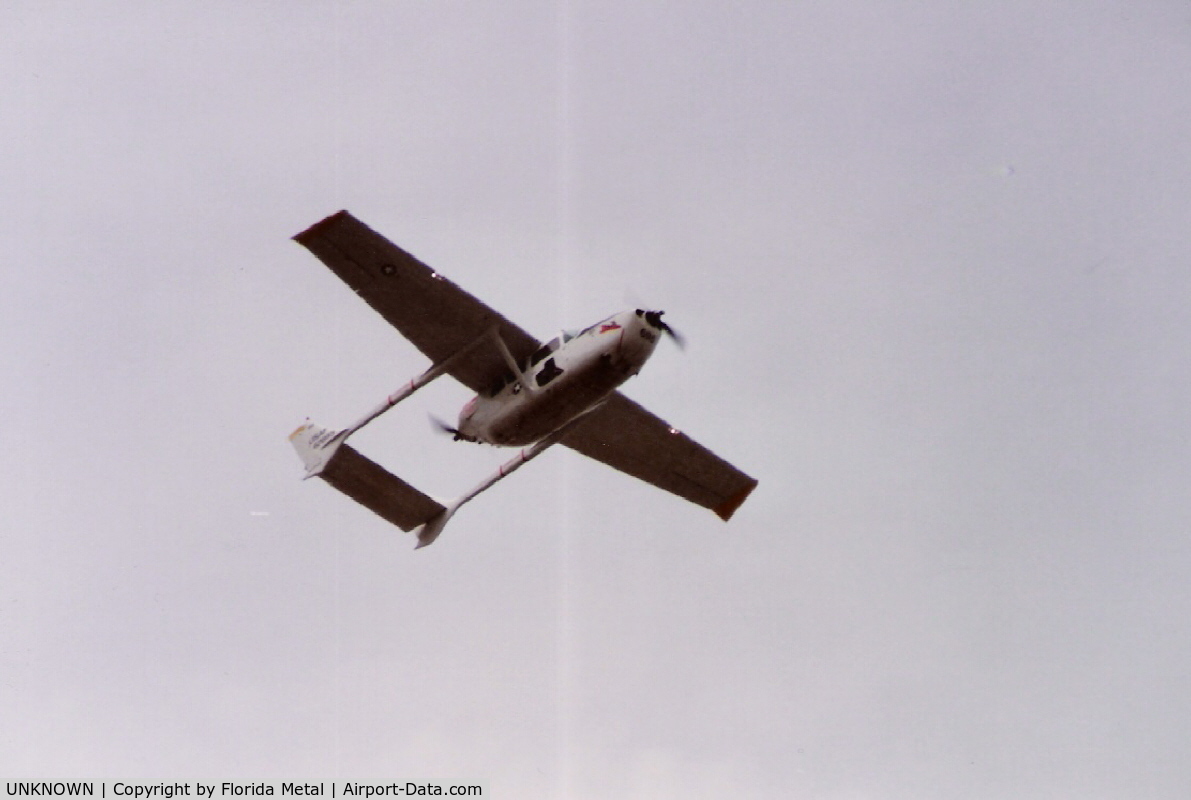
x,y
654,318
442,427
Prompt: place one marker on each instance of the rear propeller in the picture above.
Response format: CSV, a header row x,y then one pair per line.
x,y
654,318
441,427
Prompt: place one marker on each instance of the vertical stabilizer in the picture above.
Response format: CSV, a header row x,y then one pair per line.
x,y
316,446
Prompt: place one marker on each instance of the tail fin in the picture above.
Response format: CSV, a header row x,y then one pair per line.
x,y
316,446
429,530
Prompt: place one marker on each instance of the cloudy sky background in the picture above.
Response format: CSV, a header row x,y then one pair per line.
x,y
932,263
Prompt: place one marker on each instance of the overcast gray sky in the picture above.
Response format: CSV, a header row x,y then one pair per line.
x,y
931,261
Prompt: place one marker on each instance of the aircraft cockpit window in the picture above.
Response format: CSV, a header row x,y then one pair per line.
x,y
549,372
545,350
568,335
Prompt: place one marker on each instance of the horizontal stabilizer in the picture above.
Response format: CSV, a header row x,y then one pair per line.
x,y
374,487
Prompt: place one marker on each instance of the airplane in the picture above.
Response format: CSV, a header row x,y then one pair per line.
x,y
529,394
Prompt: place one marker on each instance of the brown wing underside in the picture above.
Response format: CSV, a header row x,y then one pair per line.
x,y
432,312
625,436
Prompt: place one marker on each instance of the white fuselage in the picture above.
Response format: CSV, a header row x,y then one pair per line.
x,y
564,378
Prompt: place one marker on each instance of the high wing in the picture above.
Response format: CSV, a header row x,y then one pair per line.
x,y
625,436
443,321
436,315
